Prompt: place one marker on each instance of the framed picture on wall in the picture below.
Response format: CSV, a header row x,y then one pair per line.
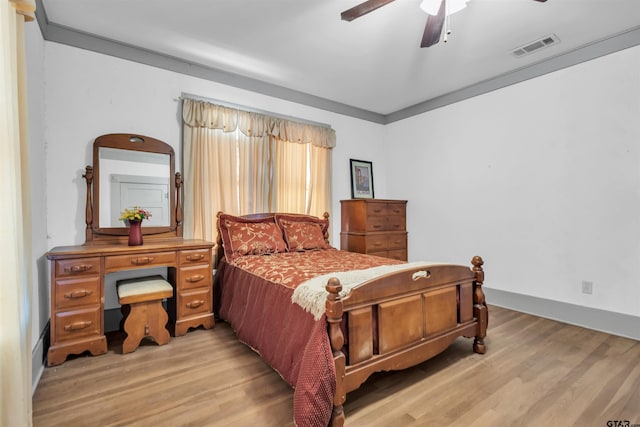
x,y
361,179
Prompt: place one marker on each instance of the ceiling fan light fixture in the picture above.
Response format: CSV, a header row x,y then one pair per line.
x,y
432,6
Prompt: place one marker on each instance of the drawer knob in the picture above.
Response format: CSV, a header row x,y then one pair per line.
x,y
142,261
78,325
377,226
195,257
195,278
79,268
195,304
81,293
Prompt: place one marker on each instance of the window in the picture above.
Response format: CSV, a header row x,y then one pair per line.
x,y
241,162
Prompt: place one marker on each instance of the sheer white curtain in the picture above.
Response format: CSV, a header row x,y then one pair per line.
x,y
15,219
244,162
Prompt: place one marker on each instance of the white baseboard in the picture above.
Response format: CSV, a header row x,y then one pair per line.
x,y
623,325
38,359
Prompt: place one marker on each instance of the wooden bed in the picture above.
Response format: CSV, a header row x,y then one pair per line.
x,y
391,322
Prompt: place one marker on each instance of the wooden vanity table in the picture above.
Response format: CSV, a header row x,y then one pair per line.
x,y
77,289
78,272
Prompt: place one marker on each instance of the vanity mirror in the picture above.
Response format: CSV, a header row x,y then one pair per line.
x,y
132,170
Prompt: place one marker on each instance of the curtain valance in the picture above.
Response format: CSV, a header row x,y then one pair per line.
x,y
206,115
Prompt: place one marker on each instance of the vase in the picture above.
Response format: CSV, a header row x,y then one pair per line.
x,y
135,232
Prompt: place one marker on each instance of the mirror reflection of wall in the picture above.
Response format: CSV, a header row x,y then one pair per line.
x,y
133,178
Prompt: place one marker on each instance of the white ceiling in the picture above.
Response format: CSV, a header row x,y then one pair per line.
x,y
373,63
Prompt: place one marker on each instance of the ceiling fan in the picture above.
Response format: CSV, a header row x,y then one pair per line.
x,y
435,20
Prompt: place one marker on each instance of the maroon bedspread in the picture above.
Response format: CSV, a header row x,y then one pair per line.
x,y
254,296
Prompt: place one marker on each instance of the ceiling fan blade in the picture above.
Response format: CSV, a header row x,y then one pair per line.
x,y
363,9
541,1
433,29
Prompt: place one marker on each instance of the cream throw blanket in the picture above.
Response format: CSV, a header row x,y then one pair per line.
x,y
311,295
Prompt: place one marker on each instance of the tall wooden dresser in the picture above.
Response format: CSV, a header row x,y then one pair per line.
x,y
375,227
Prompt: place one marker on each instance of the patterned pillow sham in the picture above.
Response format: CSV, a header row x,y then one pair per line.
x,y
242,236
303,233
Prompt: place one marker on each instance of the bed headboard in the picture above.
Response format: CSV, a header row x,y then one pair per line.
x,y
219,249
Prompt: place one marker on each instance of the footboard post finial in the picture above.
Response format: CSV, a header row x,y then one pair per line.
x,y
334,311
480,311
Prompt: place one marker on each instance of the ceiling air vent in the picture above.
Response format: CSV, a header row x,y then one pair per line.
x,y
535,46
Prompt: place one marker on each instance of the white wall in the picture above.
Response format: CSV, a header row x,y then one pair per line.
x,y
89,94
540,178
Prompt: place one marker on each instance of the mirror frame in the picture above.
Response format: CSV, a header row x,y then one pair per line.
x,y
133,143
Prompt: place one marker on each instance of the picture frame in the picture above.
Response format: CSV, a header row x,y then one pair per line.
x,y
361,179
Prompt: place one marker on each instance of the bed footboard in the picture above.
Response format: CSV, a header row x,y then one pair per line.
x,y
402,319
334,312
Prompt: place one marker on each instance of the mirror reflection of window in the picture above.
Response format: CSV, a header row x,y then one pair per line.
x,y
134,178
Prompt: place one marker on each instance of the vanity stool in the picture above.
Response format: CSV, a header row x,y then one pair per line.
x,y
144,316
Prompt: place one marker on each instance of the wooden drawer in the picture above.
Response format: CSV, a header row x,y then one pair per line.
x,y
399,254
77,267
376,209
196,276
193,302
397,241
397,209
77,292
386,209
383,254
198,256
376,242
385,223
395,223
77,323
376,223
385,241
154,259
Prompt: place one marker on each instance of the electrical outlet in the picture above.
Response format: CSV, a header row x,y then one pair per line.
x,y
587,287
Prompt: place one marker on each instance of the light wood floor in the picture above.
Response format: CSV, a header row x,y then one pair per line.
x,y
536,372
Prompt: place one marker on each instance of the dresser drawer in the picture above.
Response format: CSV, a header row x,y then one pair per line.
x,y
397,209
376,223
399,254
77,267
154,259
196,276
198,256
77,323
376,209
397,240
382,254
395,223
194,302
376,242
76,292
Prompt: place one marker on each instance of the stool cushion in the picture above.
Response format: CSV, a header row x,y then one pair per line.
x,y
143,289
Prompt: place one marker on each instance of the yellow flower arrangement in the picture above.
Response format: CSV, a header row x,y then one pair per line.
x,y
135,214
